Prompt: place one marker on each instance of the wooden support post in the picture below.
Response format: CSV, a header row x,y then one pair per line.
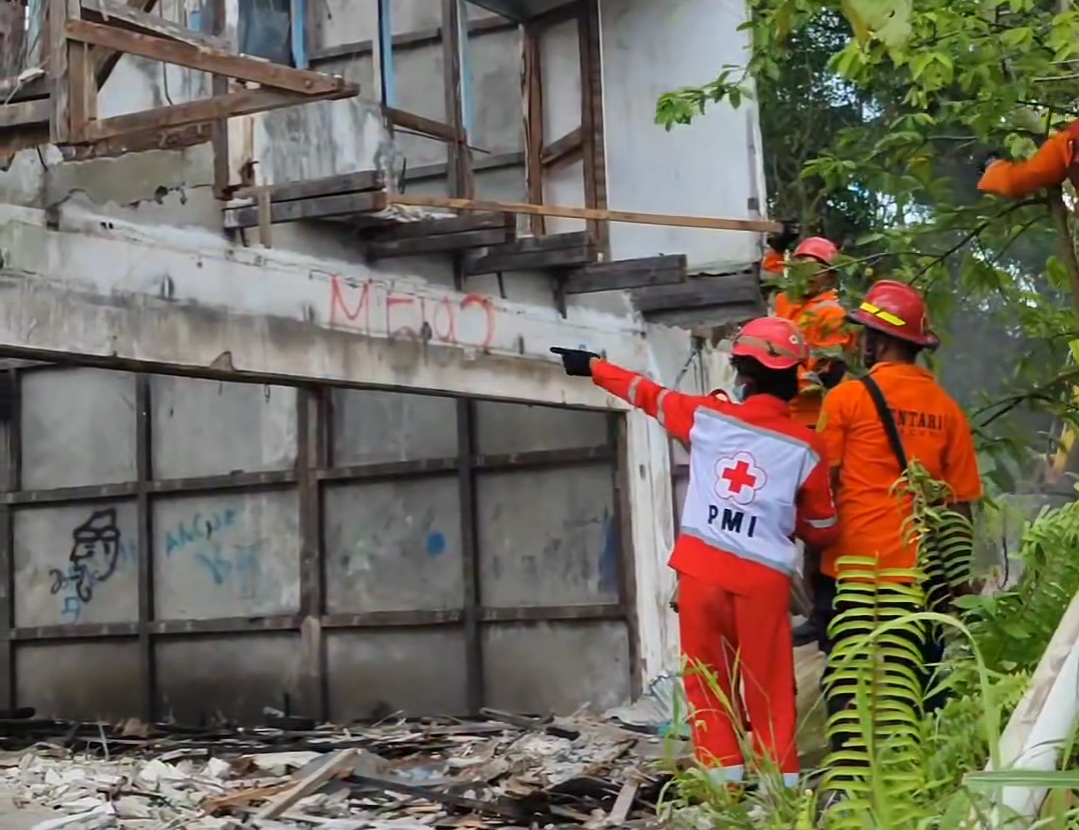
x,y
595,167
61,12
460,179
533,95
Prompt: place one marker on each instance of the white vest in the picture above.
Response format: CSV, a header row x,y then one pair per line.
x,y
743,488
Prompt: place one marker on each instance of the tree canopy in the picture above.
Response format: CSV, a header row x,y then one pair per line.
x,y
878,117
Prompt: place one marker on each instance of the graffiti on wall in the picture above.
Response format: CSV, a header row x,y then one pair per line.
x,y
226,552
396,538
374,308
98,551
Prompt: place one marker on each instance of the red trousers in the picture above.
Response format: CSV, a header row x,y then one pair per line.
x,y
726,638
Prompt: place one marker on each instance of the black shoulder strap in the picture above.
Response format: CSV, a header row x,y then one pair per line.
x,y
887,421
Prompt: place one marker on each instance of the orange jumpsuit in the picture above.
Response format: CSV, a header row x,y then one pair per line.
x,y
757,480
820,318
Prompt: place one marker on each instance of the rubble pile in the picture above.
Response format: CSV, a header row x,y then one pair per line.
x,y
506,771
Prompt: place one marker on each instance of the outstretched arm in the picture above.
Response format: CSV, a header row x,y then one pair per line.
x,y
673,410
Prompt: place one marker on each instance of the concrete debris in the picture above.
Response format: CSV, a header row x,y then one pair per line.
x,y
506,771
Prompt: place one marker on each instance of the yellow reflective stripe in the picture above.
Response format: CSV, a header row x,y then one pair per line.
x,y
886,316
631,396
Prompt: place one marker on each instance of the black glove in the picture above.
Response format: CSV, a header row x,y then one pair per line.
x,y
989,159
783,241
577,362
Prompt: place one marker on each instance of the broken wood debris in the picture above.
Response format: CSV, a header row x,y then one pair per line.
x,y
505,771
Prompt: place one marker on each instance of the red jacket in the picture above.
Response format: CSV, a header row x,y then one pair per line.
x,y
757,480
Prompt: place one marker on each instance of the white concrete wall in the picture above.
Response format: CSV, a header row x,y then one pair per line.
x,y
710,168
139,270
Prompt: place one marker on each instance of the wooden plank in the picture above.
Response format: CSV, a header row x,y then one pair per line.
x,y
424,126
12,90
313,188
322,208
627,274
560,258
551,242
204,59
82,88
59,16
173,138
25,114
337,765
458,224
441,243
566,149
105,60
630,217
234,104
700,292
533,126
123,16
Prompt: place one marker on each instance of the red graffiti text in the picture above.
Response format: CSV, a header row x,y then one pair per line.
x,y
374,308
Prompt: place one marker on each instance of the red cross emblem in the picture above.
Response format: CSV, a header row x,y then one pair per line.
x,y
738,478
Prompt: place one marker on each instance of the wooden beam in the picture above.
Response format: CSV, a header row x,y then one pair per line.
x,y
313,188
235,104
629,217
537,253
25,114
533,126
326,207
204,59
424,126
566,149
174,138
407,40
443,243
701,292
105,60
60,14
123,16
624,275
502,222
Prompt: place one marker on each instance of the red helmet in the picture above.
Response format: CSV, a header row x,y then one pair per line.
x,y
772,341
818,248
898,310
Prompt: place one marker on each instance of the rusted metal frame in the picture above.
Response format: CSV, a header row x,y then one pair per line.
x,y
593,147
311,454
460,181
281,479
144,544
626,572
11,450
532,81
368,621
475,694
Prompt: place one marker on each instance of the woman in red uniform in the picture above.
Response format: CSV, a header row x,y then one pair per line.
x,y
757,480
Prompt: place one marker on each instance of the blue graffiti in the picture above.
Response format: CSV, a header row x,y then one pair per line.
x,y
198,529
436,543
205,537
608,558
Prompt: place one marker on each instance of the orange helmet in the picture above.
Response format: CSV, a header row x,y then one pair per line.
x,y
773,342
897,310
818,248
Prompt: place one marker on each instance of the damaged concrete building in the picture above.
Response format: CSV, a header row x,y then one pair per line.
x,y
278,281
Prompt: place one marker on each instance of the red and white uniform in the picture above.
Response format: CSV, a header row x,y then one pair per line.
x,y
757,480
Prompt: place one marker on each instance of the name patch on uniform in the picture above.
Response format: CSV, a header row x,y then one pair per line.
x,y
732,521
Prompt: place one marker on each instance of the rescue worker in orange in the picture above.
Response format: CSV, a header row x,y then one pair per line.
x,y
757,480
925,424
821,319
817,313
